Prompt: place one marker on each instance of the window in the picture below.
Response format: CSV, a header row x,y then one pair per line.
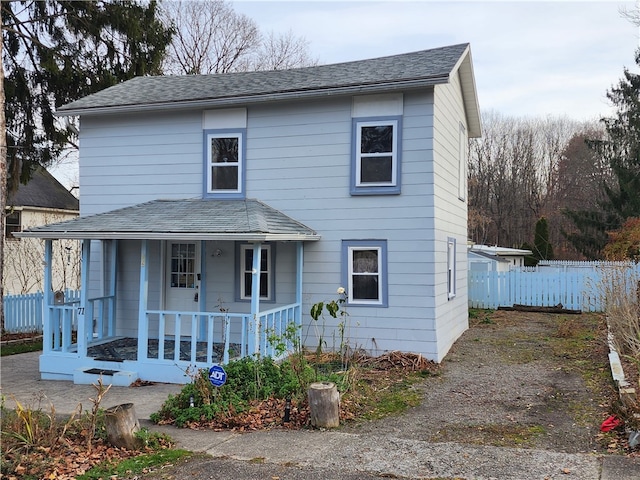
x,y
364,271
183,265
462,163
246,272
12,225
451,267
224,164
376,157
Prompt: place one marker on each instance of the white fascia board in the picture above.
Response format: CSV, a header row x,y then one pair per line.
x,y
249,237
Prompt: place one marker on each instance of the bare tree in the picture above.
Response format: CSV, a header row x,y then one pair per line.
x,y
3,179
23,271
514,177
211,37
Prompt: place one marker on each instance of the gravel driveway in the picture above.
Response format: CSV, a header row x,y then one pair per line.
x,y
515,379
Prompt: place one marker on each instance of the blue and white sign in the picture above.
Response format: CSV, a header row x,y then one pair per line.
x,y
217,375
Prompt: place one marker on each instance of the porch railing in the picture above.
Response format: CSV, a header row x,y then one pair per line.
x,y
203,338
278,327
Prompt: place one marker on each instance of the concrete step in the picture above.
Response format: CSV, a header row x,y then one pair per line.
x,y
91,375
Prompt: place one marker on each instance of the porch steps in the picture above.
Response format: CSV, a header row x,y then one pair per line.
x,y
91,375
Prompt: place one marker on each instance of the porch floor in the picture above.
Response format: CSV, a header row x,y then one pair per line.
x,y
127,349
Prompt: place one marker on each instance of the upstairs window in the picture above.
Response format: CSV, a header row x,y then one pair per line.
x,y
224,164
376,157
12,225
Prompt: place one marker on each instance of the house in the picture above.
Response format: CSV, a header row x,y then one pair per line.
x,y
496,259
217,209
41,201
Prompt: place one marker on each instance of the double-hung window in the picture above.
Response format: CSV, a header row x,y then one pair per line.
x,y
12,225
224,164
364,271
376,156
246,272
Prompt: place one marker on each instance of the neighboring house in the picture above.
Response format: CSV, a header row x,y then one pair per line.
x,y
496,259
41,201
216,209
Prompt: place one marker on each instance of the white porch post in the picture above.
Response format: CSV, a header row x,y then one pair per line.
x,y
143,328
84,312
113,254
254,340
202,291
46,314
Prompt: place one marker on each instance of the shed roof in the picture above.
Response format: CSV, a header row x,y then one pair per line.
x,y
377,75
43,191
191,219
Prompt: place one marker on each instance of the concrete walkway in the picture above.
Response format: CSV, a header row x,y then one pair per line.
x,y
336,451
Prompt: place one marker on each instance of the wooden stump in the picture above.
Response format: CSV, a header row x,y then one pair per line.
x,y
122,423
324,405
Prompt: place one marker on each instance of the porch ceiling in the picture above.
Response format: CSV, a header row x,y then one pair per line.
x,y
191,219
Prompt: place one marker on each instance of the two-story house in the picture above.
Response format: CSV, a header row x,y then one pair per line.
x,y
216,209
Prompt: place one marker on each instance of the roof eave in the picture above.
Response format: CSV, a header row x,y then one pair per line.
x,y
258,98
464,67
247,237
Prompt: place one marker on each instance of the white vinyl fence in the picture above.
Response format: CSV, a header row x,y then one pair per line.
x,y
574,285
23,313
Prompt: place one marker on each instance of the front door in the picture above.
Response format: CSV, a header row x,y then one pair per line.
x,y
182,283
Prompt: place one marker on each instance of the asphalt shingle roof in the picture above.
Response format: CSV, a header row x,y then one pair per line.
x,y
197,219
426,67
43,191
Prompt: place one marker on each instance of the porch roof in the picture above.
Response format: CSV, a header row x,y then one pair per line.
x,y
190,219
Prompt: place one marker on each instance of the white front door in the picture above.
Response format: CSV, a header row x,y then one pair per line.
x,y
182,283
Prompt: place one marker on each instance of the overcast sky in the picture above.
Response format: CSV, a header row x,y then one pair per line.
x,y
530,57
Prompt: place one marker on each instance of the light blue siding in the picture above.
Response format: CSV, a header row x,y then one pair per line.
x,y
298,161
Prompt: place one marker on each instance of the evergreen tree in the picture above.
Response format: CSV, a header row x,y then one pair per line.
x,y
542,249
621,150
58,51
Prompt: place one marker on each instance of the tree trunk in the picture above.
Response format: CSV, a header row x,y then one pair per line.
x,y
324,405
122,423
3,181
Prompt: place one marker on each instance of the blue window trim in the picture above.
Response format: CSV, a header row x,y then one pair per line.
x,y
242,133
239,277
345,259
378,189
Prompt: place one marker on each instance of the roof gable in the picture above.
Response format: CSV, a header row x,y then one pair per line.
x,y
409,70
43,191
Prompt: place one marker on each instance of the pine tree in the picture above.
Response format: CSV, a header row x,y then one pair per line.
x,y
621,150
542,249
58,51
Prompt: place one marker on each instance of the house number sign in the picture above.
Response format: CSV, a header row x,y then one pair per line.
x,y
217,375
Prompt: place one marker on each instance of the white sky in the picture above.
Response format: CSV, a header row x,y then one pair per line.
x,y
531,58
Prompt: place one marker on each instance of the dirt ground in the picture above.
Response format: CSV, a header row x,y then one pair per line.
x,y
532,380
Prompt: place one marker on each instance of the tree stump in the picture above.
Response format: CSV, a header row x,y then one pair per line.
x,y
324,405
122,423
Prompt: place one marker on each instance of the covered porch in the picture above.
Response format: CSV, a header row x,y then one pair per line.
x,y
172,286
